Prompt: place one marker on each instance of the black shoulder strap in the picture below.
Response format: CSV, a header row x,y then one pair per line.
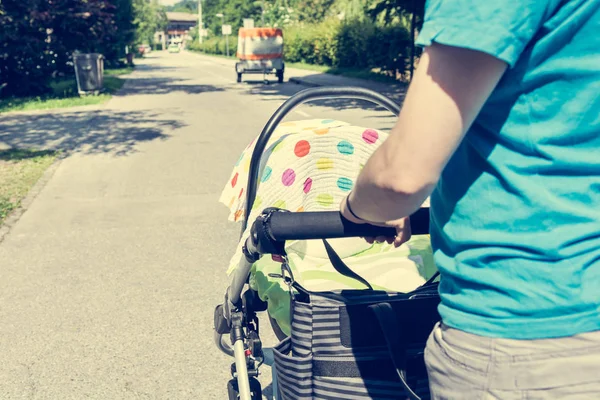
x,y
341,267
391,329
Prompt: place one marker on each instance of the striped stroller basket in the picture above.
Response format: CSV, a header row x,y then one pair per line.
x,y
344,344
359,344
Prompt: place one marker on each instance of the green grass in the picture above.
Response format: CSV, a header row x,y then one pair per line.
x,y
118,71
372,75
64,94
309,67
19,171
231,57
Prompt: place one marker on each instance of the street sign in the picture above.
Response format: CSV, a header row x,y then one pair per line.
x,y
248,23
226,29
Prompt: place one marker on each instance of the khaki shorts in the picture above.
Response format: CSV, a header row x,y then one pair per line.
x,y
466,366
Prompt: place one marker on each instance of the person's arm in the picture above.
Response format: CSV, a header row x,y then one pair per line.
x,y
450,86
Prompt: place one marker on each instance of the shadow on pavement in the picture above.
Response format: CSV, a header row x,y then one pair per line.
x,y
163,86
87,132
278,92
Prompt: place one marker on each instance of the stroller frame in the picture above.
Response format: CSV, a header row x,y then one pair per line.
x,y
237,316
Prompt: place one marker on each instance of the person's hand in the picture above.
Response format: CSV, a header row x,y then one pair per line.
x,y
401,225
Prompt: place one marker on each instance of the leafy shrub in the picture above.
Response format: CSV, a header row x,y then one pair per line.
x,y
359,44
38,39
215,45
350,44
25,62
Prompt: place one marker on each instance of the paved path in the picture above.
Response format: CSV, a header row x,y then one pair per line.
x,y
307,78
108,281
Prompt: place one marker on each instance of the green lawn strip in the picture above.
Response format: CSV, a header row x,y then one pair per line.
x,y
309,67
118,71
19,171
212,55
347,72
29,104
64,94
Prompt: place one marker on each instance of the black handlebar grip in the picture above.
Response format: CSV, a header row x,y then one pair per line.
x,y
331,225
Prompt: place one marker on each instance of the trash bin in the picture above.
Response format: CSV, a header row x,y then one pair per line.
x,y
89,71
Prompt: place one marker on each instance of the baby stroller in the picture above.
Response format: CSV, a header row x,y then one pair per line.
x,y
352,344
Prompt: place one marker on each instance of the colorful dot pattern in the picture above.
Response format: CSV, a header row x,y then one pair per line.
x,y
325,199
345,147
307,185
266,174
302,148
280,204
325,163
307,171
288,178
307,166
370,136
345,184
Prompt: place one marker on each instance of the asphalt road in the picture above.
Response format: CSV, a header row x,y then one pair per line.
x,y
109,279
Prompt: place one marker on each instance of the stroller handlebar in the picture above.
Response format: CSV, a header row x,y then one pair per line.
x,y
307,95
331,224
274,227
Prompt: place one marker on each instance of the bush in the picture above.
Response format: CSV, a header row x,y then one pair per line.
x,y
313,43
38,39
215,45
26,64
349,44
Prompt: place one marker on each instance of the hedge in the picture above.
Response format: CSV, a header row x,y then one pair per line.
x,y
354,44
338,44
215,45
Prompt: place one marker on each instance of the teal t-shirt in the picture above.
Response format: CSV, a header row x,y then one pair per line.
x,y
516,215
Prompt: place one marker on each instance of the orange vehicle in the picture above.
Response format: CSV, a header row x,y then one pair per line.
x,y
260,51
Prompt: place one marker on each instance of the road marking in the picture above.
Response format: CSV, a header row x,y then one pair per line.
x,y
302,113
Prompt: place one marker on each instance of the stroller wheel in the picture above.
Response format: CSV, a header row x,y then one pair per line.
x,y
232,390
234,394
255,389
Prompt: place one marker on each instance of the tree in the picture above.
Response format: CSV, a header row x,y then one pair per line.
x,y
402,10
87,26
39,37
277,13
149,18
234,11
125,34
24,57
394,10
313,11
351,9
186,6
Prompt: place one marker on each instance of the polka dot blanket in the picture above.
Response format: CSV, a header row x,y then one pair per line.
x,y
311,166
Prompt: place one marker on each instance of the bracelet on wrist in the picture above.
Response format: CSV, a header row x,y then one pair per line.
x,y
350,209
